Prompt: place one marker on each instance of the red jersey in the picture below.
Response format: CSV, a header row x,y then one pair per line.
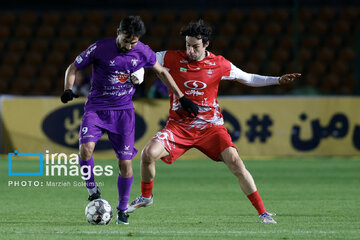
x,y
199,81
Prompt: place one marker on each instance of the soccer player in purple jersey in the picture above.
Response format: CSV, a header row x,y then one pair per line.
x,y
116,62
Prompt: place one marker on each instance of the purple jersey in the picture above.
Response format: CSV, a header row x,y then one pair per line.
x,y
111,87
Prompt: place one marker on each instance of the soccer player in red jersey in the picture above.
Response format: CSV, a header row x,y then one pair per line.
x,y
198,73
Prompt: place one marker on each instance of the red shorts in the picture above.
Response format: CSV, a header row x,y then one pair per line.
x,y
177,140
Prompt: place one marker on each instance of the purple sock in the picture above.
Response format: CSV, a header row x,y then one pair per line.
x,y
90,183
124,187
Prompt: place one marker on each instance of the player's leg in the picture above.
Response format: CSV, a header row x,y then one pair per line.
x,y
122,140
88,136
216,143
152,152
86,162
232,159
168,144
124,183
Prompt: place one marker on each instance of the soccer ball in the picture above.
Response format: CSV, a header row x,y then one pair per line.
x,y
98,212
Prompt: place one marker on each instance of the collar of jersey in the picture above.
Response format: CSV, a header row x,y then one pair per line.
x,y
210,55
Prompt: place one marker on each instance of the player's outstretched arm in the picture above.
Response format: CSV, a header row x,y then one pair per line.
x,y
68,94
255,80
288,78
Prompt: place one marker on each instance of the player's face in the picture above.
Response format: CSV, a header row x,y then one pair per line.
x,y
125,42
195,48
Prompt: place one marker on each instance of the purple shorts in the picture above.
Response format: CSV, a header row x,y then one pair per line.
x,y
119,125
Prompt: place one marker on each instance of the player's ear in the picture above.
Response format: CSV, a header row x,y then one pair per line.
x,y
206,44
118,31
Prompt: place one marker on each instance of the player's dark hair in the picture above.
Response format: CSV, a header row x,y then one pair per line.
x,y
198,29
132,26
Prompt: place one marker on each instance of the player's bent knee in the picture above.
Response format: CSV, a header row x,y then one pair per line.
x,y
147,155
150,154
85,155
86,151
233,160
125,167
236,165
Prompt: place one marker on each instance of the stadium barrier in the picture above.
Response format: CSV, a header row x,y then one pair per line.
x,y
259,126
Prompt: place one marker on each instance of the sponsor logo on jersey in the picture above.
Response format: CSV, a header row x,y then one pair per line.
x,y
90,50
183,69
184,61
194,92
122,77
210,72
79,59
204,102
210,63
195,85
119,76
88,136
125,152
134,62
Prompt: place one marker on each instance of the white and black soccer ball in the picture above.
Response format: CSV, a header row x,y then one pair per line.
x,y
99,212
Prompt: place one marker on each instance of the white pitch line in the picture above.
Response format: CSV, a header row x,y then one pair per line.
x,y
181,232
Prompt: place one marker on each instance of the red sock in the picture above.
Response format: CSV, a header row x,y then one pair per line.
x,y
146,189
257,202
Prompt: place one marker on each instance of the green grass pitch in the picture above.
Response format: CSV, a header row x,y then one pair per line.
x,y
200,199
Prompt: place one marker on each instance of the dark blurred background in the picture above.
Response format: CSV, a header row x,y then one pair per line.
x,y
320,39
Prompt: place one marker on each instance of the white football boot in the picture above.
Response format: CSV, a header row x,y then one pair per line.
x,y
139,202
267,218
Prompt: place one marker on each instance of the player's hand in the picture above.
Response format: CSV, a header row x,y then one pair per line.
x,y
138,76
189,106
288,78
68,95
134,80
